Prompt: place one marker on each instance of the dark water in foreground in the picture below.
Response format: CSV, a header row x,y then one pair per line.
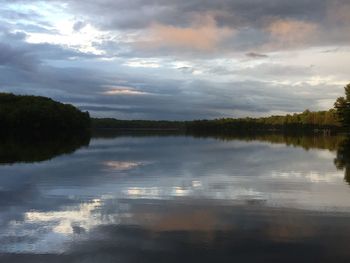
x,y
132,198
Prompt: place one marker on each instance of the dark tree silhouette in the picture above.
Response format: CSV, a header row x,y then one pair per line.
x,y
34,114
342,106
342,161
26,149
306,121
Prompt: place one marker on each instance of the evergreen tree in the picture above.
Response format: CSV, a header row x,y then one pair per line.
x,y
342,106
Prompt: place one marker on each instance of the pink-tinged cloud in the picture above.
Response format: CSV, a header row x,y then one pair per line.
x,y
203,35
339,14
121,90
122,166
291,33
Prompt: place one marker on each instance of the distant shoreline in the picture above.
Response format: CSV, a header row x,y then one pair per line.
x,y
138,129
22,114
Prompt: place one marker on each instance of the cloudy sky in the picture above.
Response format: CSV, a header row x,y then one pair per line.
x,y
178,59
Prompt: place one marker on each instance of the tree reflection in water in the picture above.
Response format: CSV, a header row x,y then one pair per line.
x,y
342,161
338,143
30,149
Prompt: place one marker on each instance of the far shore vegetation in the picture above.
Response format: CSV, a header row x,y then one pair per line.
x,y
39,115
333,120
34,129
43,115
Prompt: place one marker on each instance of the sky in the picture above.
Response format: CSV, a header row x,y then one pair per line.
x,y
178,59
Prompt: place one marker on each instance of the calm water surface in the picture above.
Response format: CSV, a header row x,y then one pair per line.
x,y
131,198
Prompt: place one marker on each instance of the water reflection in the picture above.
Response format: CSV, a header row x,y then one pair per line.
x,y
342,160
26,149
178,198
306,141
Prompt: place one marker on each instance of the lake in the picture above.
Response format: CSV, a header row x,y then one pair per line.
x,y
176,198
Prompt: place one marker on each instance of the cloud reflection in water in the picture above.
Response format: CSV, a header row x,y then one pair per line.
x,y
184,193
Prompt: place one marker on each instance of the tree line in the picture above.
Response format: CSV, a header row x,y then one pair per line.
x,y
36,114
335,119
111,123
305,121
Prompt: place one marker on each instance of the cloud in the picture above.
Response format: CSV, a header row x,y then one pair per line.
x,y
256,55
291,33
142,63
16,57
338,13
122,166
185,69
79,25
225,26
176,59
138,14
203,35
119,90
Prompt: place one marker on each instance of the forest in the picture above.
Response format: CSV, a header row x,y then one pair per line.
x,y
305,121
332,120
35,114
